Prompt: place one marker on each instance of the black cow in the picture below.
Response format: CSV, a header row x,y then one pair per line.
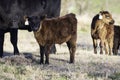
x,y
12,13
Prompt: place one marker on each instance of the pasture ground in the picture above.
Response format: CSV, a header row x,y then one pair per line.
x,y
87,66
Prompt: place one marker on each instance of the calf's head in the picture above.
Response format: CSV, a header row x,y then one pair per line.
x,y
106,17
33,22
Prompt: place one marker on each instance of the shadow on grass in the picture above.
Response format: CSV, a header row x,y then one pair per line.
x,y
61,60
7,54
26,56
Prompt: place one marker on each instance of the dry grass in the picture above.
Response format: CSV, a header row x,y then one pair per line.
x,y
88,66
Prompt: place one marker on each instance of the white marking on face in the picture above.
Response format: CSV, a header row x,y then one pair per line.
x,y
26,22
40,27
100,16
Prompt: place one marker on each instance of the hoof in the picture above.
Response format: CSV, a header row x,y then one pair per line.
x,y
41,62
46,62
16,53
101,52
71,62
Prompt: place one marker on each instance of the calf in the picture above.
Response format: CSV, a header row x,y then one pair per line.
x,y
56,31
116,39
102,28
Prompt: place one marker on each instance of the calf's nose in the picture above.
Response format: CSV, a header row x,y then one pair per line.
x,y
112,22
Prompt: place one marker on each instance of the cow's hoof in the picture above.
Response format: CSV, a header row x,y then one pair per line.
x,y
41,63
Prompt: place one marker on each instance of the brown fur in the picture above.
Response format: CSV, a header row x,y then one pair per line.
x,y
103,30
57,31
116,39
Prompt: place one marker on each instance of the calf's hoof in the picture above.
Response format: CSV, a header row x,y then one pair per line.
x,y
115,54
110,54
41,62
16,53
101,52
71,62
46,62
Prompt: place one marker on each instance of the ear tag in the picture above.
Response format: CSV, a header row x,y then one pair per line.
x,y
26,22
100,16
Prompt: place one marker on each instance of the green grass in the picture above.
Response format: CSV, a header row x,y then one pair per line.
x,y
59,78
115,76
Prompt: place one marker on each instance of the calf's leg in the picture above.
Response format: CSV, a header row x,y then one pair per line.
x,y
115,46
53,49
47,52
110,45
1,42
13,39
42,51
101,46
72,48
106,48
95,45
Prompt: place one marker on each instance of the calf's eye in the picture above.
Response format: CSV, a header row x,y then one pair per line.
x,y
107,16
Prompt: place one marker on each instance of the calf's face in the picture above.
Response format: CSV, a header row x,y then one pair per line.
x,y
33,22
106,17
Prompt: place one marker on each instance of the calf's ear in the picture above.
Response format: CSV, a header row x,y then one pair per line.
x,y
25,17
43,17
26,20
100,16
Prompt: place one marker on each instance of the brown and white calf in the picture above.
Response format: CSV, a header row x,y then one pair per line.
x,y
102,29
56,31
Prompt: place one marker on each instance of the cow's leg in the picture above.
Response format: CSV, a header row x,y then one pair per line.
x,y
1,42
13,39
72,48
116,46
47,52
42,51
95,45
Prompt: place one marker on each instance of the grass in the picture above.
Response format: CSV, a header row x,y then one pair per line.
x,y
19,72
87,67
115,76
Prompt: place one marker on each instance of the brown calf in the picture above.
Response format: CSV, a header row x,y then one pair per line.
x,y
56,31
116,39
102,29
